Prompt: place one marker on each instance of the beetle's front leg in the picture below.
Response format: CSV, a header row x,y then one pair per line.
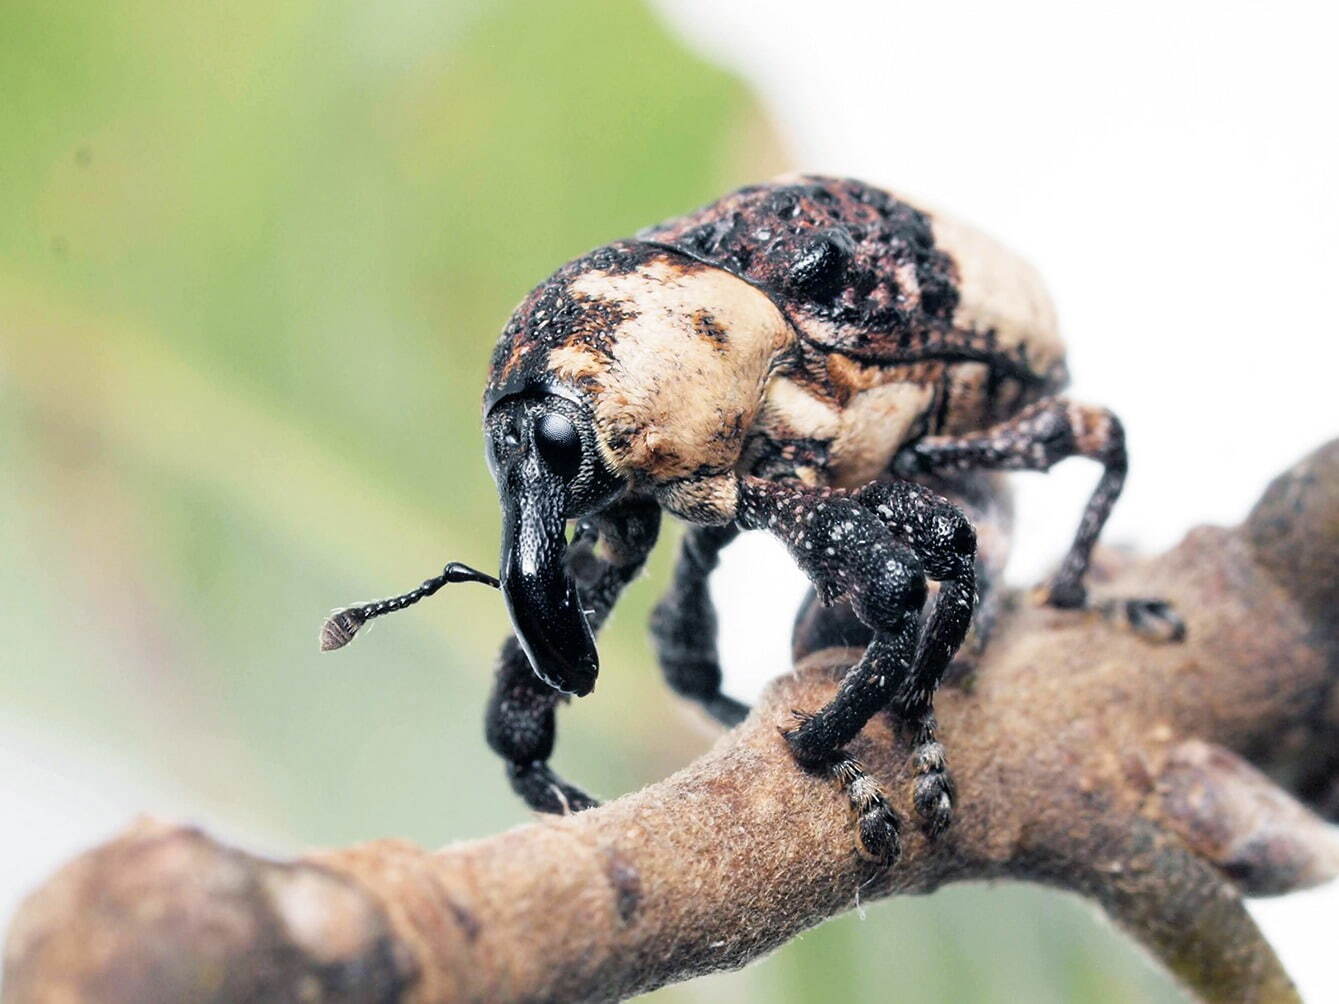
x,y
683,625
977,499
845,549
520,723
520,726
1036,439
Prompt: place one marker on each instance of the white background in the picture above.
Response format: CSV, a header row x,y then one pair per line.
x,y
1171,169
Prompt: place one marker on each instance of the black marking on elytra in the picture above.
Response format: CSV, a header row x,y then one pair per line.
x,y
817,264
827,249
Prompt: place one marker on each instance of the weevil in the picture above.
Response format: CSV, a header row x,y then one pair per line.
x,y
811,358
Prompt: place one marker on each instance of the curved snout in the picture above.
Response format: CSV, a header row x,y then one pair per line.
x,y
541,597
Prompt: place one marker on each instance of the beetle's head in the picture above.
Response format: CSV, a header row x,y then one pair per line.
x,y
542,450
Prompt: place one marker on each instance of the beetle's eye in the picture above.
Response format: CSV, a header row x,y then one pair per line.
x,y
559,444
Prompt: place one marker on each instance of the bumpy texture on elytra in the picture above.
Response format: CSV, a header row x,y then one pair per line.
x,y
805,327
866,274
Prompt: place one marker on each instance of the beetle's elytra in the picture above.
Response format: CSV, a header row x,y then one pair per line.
x,y
812,357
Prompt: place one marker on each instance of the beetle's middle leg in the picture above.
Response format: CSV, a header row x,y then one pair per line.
x,y
846,549
1036,439
683,625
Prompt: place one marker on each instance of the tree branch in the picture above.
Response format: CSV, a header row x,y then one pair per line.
x,y
1162,781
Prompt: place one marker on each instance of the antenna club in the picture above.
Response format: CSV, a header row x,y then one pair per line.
x,y
340,627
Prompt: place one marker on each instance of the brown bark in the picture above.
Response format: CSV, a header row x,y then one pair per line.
x,y
1163,781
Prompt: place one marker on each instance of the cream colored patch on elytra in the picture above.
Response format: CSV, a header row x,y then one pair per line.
x,y
672,401
874,425
999,290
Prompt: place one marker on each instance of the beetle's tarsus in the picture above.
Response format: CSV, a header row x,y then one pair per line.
x,y
1066,595
878,830
878,833
932,790
1152,619
1156,620
545,791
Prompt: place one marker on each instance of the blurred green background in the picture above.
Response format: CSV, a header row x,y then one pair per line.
x,y
253,258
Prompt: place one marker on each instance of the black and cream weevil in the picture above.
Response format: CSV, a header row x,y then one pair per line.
x,y
803,357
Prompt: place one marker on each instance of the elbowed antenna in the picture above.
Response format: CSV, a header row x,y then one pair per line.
x,y
340,627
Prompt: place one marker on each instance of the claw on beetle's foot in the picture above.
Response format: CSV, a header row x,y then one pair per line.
x,y
1156,620
791,731
1152,619
877,827
878,837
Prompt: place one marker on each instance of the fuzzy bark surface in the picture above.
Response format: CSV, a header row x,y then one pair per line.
x,y
1162,781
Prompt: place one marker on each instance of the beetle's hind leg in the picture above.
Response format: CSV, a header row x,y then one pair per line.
x,y
683,625
1036,439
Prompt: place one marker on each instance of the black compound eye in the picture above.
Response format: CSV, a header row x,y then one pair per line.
x,y
559,444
